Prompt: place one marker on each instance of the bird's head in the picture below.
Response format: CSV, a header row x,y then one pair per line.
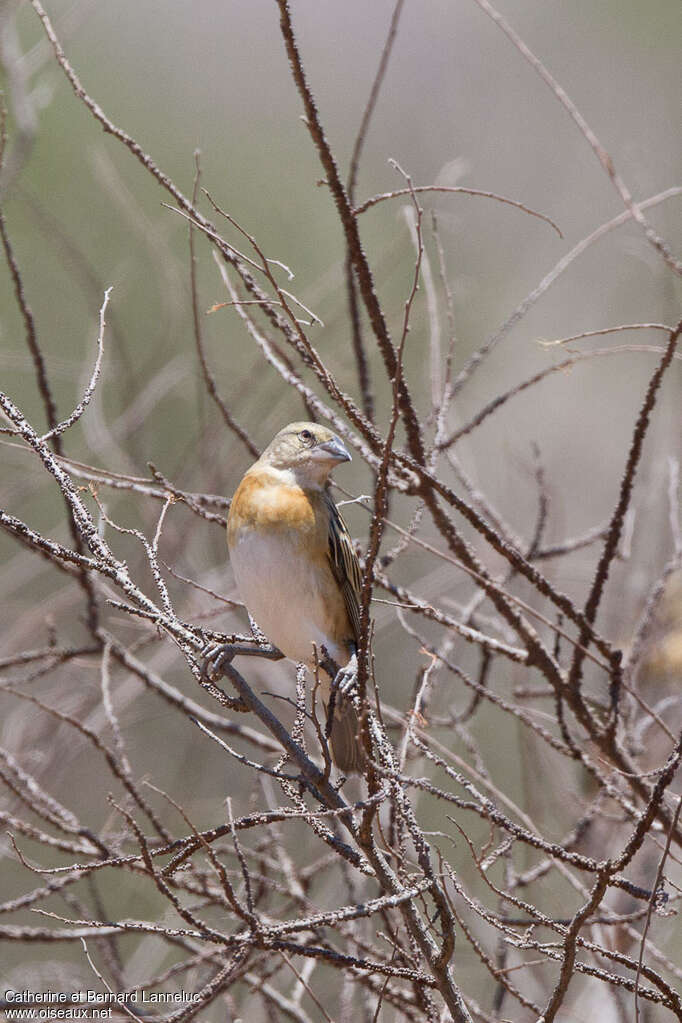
x,y
308,450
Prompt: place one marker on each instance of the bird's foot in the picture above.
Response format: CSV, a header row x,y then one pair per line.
x,y
345,681
216,656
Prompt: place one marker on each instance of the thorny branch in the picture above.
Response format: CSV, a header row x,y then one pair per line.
x,y
302,886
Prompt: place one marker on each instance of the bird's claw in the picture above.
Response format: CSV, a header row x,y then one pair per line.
x,y
217,655
214,657
346,678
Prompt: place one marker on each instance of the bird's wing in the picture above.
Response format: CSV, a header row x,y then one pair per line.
x,y
344,564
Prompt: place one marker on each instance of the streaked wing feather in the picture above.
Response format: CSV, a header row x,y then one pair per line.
x,y
345,565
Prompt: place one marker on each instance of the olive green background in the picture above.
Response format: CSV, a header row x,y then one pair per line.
x,y
458,106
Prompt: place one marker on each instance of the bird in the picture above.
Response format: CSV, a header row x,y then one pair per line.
x,y
296,569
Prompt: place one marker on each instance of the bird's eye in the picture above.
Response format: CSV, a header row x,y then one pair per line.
x,y
306,436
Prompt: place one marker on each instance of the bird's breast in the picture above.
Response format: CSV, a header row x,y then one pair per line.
x,y
278,550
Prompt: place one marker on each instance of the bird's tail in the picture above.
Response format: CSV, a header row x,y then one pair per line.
x,y
347,750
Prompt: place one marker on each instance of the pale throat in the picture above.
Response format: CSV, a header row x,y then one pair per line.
x,y
309,476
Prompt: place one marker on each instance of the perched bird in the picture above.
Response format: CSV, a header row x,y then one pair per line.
x,y
295,566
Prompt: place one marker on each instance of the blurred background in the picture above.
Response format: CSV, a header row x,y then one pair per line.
x,y
459,106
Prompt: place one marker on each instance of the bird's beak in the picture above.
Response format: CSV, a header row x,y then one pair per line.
x,y
335,450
